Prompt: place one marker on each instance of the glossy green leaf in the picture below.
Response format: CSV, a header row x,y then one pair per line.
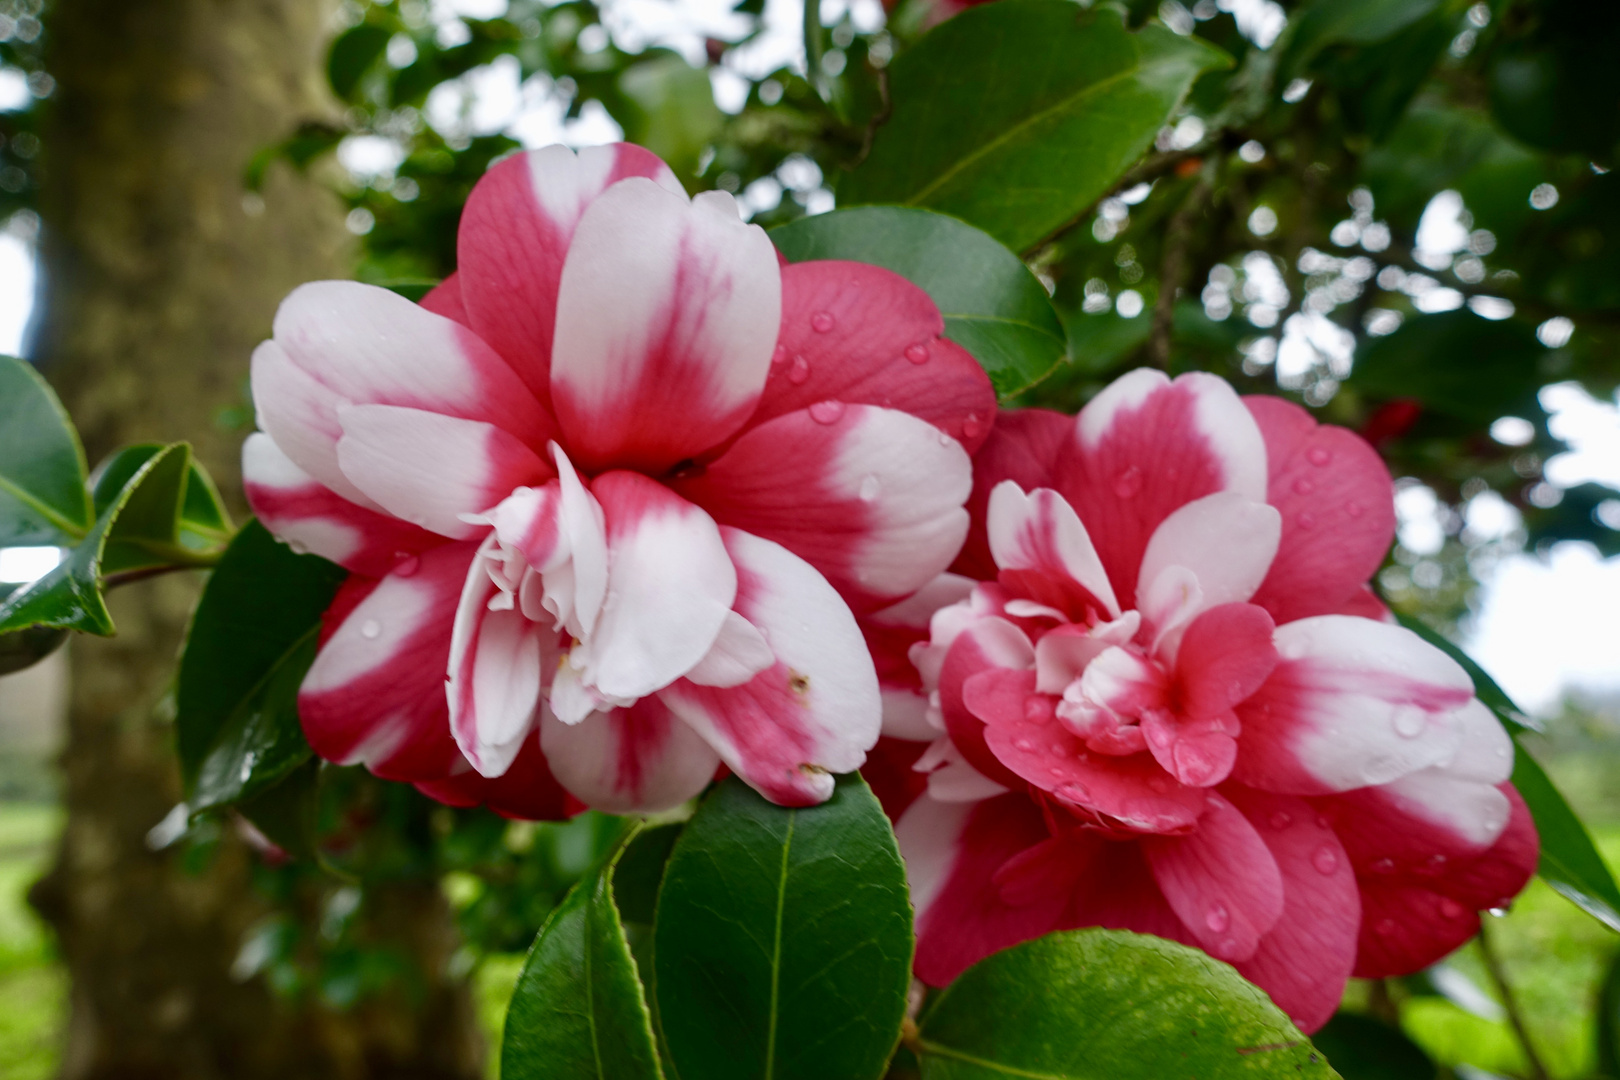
x,y
132,524
783,942
1361,1048
187,524
1322,23
1456,363
261,740
1570,862
993,306
1552,80
353,54
675,114
42,470
24,648
246,650
579,1012
1019,115
1108,1005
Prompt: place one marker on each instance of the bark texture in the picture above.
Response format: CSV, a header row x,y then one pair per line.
x,y
160,279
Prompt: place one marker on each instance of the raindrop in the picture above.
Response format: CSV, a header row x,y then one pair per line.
x,y
1385,927
1322,822
779,355
1384,866
870,486
247,766
799,373
1026,745
1318,456
1325,860
1353,509
1436,861
1304,486
827,412
1216,918
944,439
822,322
1128,483
1305,521
972,426
298,547
1060,749
1072,792
1410,721
371,628
1498,912
917,354
1281,819
1056,770
1450,909
1037,710
407,566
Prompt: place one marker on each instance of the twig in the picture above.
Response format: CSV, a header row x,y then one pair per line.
x,y
1173,271
1493,965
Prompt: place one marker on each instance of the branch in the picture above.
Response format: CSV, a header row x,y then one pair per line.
x,y
1173,271
1493,965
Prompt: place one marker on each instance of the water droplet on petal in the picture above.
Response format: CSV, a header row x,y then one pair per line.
x,y
1410,721
1436,861
1038,709
1386,927
1128,482
1322,822
370,629
1060,749
1158,784
870,486
1450,909
1216,918
821,322
972,426
407,566
1026,745
1318,456
799,372
1072,792
827,412
917,354
945,440
1304,486
1384,866
1306,521
779,355
1281,819
1326,860
1056,770
1354,509
298,547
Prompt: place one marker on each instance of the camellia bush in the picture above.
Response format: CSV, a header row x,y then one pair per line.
x,y
961,627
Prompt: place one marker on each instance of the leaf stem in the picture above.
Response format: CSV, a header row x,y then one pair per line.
x,y
1510,1005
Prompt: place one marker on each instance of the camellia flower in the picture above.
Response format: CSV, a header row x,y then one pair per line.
x,y
1172,706
617,481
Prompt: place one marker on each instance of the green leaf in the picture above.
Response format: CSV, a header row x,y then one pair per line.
x,y
1019,115
69,597
1456,363
24,648
579,1010
42,495
783,942
353,54
1350,22
1608,1021
261,740
1362,1048
1570,862
675,114
188,522
1094,1004
249,644
993,306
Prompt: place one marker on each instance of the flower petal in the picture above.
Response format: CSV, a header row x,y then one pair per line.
x,y
890,635
1221,880
445,299
864,335
738,654
1146,446
1044,552
1225,656
515,233
816,710
1351,703
989,644
1024,446
666,316
527,791
670,589
870,497
429,469
640,759
1338,511
952,852
1304,961
375,694
309,516
1226,540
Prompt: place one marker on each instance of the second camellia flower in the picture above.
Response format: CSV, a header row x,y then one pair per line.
x,y
609,495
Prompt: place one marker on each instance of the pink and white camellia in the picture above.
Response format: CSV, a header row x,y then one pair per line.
x,y
609,494
1172,706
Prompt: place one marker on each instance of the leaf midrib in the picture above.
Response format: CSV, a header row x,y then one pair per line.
x,y
926,1047
29,500
776,948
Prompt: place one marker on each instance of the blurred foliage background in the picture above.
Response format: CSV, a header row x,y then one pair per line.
x,y
1399,212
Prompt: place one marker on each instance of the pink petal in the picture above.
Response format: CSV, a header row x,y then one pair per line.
x,y
1024,447
890,635
1351,703
816,711
515,233
870,497
1146,446
952,852
1338,511
738,654
988,645
670,589
1044,552
445,299
526,791
1225,656
666,316
640,759
495,670
1122,895
866,336
889,771
1226,540
375,694
1304,961
311,517
1221,880
343,343
429,469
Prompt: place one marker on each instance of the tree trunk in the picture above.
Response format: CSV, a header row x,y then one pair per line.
x,y
161,276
